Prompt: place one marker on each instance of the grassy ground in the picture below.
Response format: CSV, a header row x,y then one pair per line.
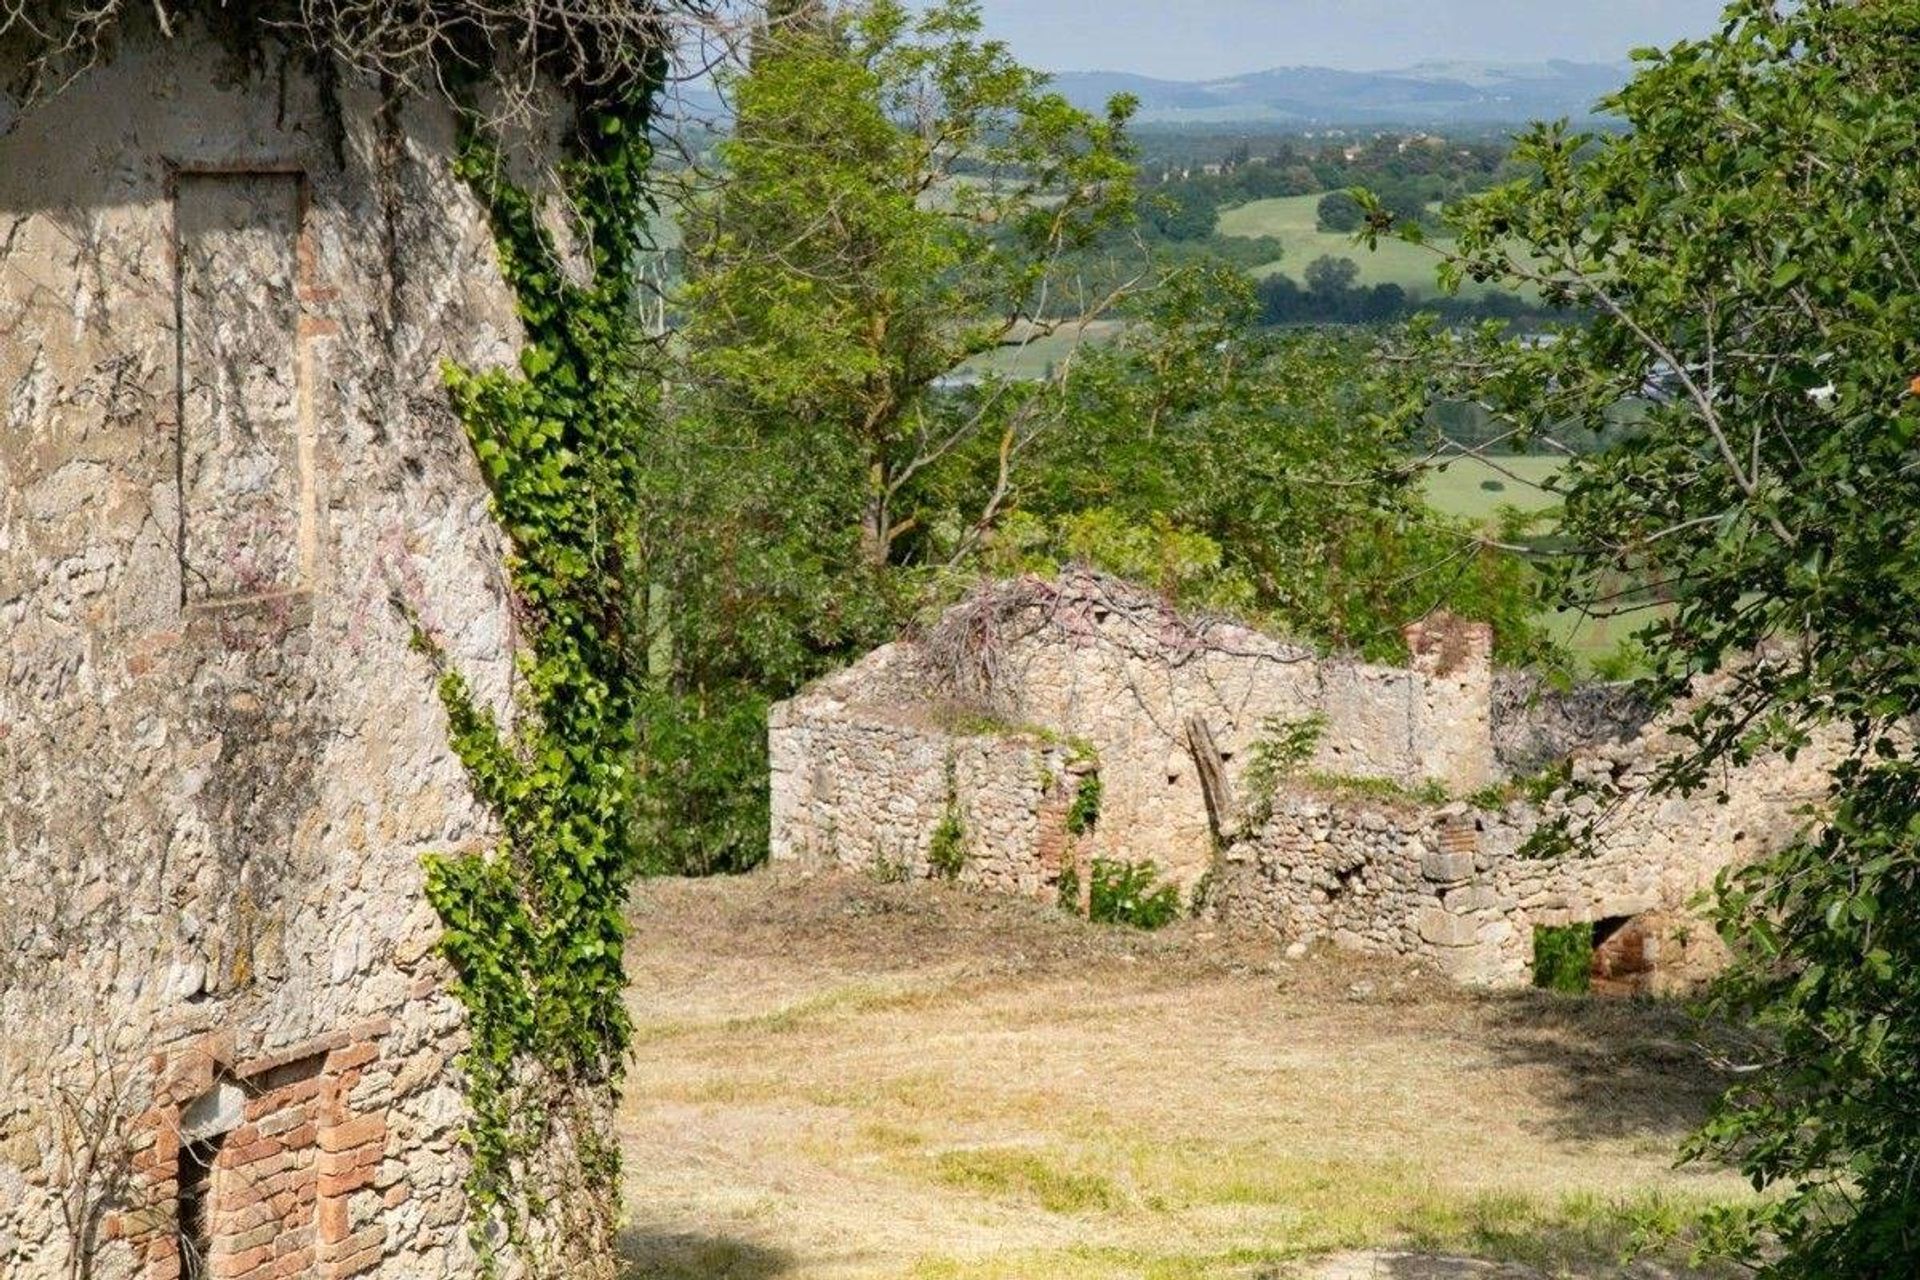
x,y
838,1080
1478,488
1293,221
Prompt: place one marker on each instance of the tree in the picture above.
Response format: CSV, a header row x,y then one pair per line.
x,y
1261,472
897,197
1332,276
1186,212
1340,213
898,194
1748,255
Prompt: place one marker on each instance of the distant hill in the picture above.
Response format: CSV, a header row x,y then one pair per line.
x,y
1431,93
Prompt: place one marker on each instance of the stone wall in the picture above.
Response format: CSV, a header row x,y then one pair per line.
x,y
1349,852
869,790
225,458
1092,660
1451,884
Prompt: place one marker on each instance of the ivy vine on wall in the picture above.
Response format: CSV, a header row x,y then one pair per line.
x,y
534,925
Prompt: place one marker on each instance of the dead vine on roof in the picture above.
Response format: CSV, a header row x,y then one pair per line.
x,y
594,51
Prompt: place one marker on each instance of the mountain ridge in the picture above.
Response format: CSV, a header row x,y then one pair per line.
x,y
1428,93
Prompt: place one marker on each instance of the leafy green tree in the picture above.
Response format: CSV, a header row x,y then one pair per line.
x,y
1262,472
1749,256
1331,276
1184,213
897,196
1339,212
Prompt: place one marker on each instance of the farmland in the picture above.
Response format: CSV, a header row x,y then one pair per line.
x,y
1292,221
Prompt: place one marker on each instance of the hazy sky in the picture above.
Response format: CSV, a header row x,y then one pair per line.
x,y
1203,39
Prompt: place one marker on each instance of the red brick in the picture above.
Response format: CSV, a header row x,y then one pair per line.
x,y
351,1056
227,1266
371,1237
353,1133
332,1223
285,1098
339,1184
343,1268
342,1161
294,1240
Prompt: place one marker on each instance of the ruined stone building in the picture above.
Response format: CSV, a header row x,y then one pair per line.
x,y
229,476
1400,832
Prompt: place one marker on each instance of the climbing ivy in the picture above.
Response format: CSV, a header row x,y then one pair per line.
x,y
947,852
533,926
1084,814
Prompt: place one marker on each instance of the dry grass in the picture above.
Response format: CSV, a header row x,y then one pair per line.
x,y
841,1079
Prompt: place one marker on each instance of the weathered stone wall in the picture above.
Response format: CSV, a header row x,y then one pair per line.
x,y
1092,660
1450,883
1355,858
225,454
867,789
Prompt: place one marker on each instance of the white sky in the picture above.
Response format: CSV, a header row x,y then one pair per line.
x,y
1207,39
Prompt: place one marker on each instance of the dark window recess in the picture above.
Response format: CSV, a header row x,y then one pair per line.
x,y
195,1207
298,1071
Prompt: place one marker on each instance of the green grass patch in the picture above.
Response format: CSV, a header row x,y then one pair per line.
x,y
1293,221
1385,790
1030,1176
1477,489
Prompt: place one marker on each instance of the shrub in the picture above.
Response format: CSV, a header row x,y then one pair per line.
x,y
1563,958
1282,748
1129,893
947,855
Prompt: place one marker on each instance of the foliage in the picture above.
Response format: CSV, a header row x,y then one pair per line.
x,y
1430,792
1181,214
1283,748
1563,958
1329,275
703,804
1130,893
1339,212
1084,814
947,852
787,489
1747,253
955,181
534,927
1262,474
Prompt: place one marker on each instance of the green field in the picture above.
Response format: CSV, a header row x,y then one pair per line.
x,y
1477,488
1291,220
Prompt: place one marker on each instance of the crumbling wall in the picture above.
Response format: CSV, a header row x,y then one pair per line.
x,y
225,454
867,789
1451,884
1092,659
1352,848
